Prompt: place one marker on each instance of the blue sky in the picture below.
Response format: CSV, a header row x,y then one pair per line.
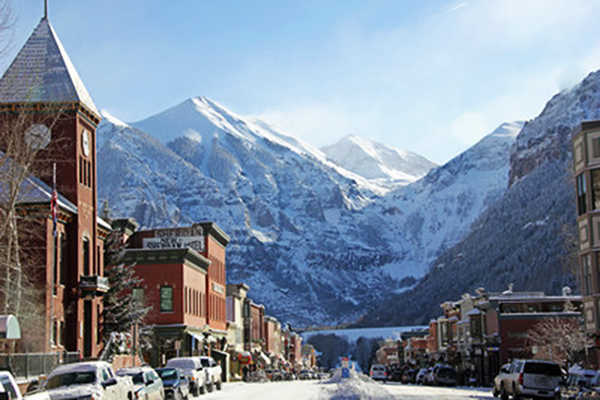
x,y
428,76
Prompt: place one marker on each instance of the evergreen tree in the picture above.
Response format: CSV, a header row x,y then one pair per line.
x,y
121,311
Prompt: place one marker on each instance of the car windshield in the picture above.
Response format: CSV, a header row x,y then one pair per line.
x,y
205,362
167,374
542,369
71,378
183,364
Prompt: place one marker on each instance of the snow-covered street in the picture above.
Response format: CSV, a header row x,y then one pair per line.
x,y
357,387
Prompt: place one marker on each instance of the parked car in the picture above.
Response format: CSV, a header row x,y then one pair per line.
x,y
443,375
395,375
500,380
531,378
409,376
9,390
378,372
305,374
422,377
147,384
94,379
8,386
591,392
577,385
175,383
278,375
193,370
213,373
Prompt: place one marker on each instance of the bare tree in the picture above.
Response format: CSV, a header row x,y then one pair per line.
x,y
559,339
25,132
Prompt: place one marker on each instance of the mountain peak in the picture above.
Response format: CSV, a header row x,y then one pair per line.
x,y
377,161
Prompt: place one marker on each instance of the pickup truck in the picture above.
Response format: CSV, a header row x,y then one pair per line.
x,y
194,372
9,390
213,373
94,379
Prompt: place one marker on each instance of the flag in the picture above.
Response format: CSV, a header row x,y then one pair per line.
x,y
54,202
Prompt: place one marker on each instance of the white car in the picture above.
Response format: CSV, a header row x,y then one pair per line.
x,y
378,372
213,373
147,383
88,380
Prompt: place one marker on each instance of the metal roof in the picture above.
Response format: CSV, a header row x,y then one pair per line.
x,y
43,72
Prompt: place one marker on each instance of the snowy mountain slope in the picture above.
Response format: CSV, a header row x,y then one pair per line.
x,y
315,242
376,161
520,239
437,211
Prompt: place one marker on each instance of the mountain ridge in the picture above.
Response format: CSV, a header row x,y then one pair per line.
x,y
304,230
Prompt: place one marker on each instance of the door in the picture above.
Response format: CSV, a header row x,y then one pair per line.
x,y
87,328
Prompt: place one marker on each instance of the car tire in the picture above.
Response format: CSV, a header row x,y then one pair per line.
x,y
503,394
495,392
202,389
218,385
515,395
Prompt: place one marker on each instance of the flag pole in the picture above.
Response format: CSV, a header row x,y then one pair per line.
x,y
53,209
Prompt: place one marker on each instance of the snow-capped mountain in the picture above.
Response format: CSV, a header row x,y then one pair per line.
x,y
315,242
436,212
387,165
524,238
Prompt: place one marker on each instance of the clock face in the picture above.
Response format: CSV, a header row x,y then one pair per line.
x,y
38,136
85,142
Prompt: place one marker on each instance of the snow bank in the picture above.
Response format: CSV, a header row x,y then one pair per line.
x,y
356,387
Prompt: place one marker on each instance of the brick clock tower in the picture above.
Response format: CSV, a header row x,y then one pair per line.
x,y
43,83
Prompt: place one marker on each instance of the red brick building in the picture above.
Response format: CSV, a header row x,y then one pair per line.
x,y
42,85
183,273
273,340
257,316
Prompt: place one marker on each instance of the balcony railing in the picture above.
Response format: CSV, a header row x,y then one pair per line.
x,y
93,285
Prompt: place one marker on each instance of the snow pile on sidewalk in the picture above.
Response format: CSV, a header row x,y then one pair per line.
x,y
356,387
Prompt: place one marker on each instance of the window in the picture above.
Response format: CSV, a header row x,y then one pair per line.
x,y
166,298
581,195
532,308
86,257
596,189
63,260
586,275
55,262
53,332
509,309
137,295
80,170
595,147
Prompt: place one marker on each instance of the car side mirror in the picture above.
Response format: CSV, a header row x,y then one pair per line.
x,y
109,382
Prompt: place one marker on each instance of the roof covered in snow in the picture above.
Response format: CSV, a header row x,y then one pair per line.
x,y
43,72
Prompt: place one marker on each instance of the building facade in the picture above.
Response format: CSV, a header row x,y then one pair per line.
x,y
586,170
183,274
42,87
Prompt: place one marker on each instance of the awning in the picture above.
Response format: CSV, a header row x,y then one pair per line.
x,y
9,327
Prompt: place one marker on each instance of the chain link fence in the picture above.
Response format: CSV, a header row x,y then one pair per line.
x,y
32,365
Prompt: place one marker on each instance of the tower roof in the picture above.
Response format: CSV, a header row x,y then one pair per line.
x,y
43,72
